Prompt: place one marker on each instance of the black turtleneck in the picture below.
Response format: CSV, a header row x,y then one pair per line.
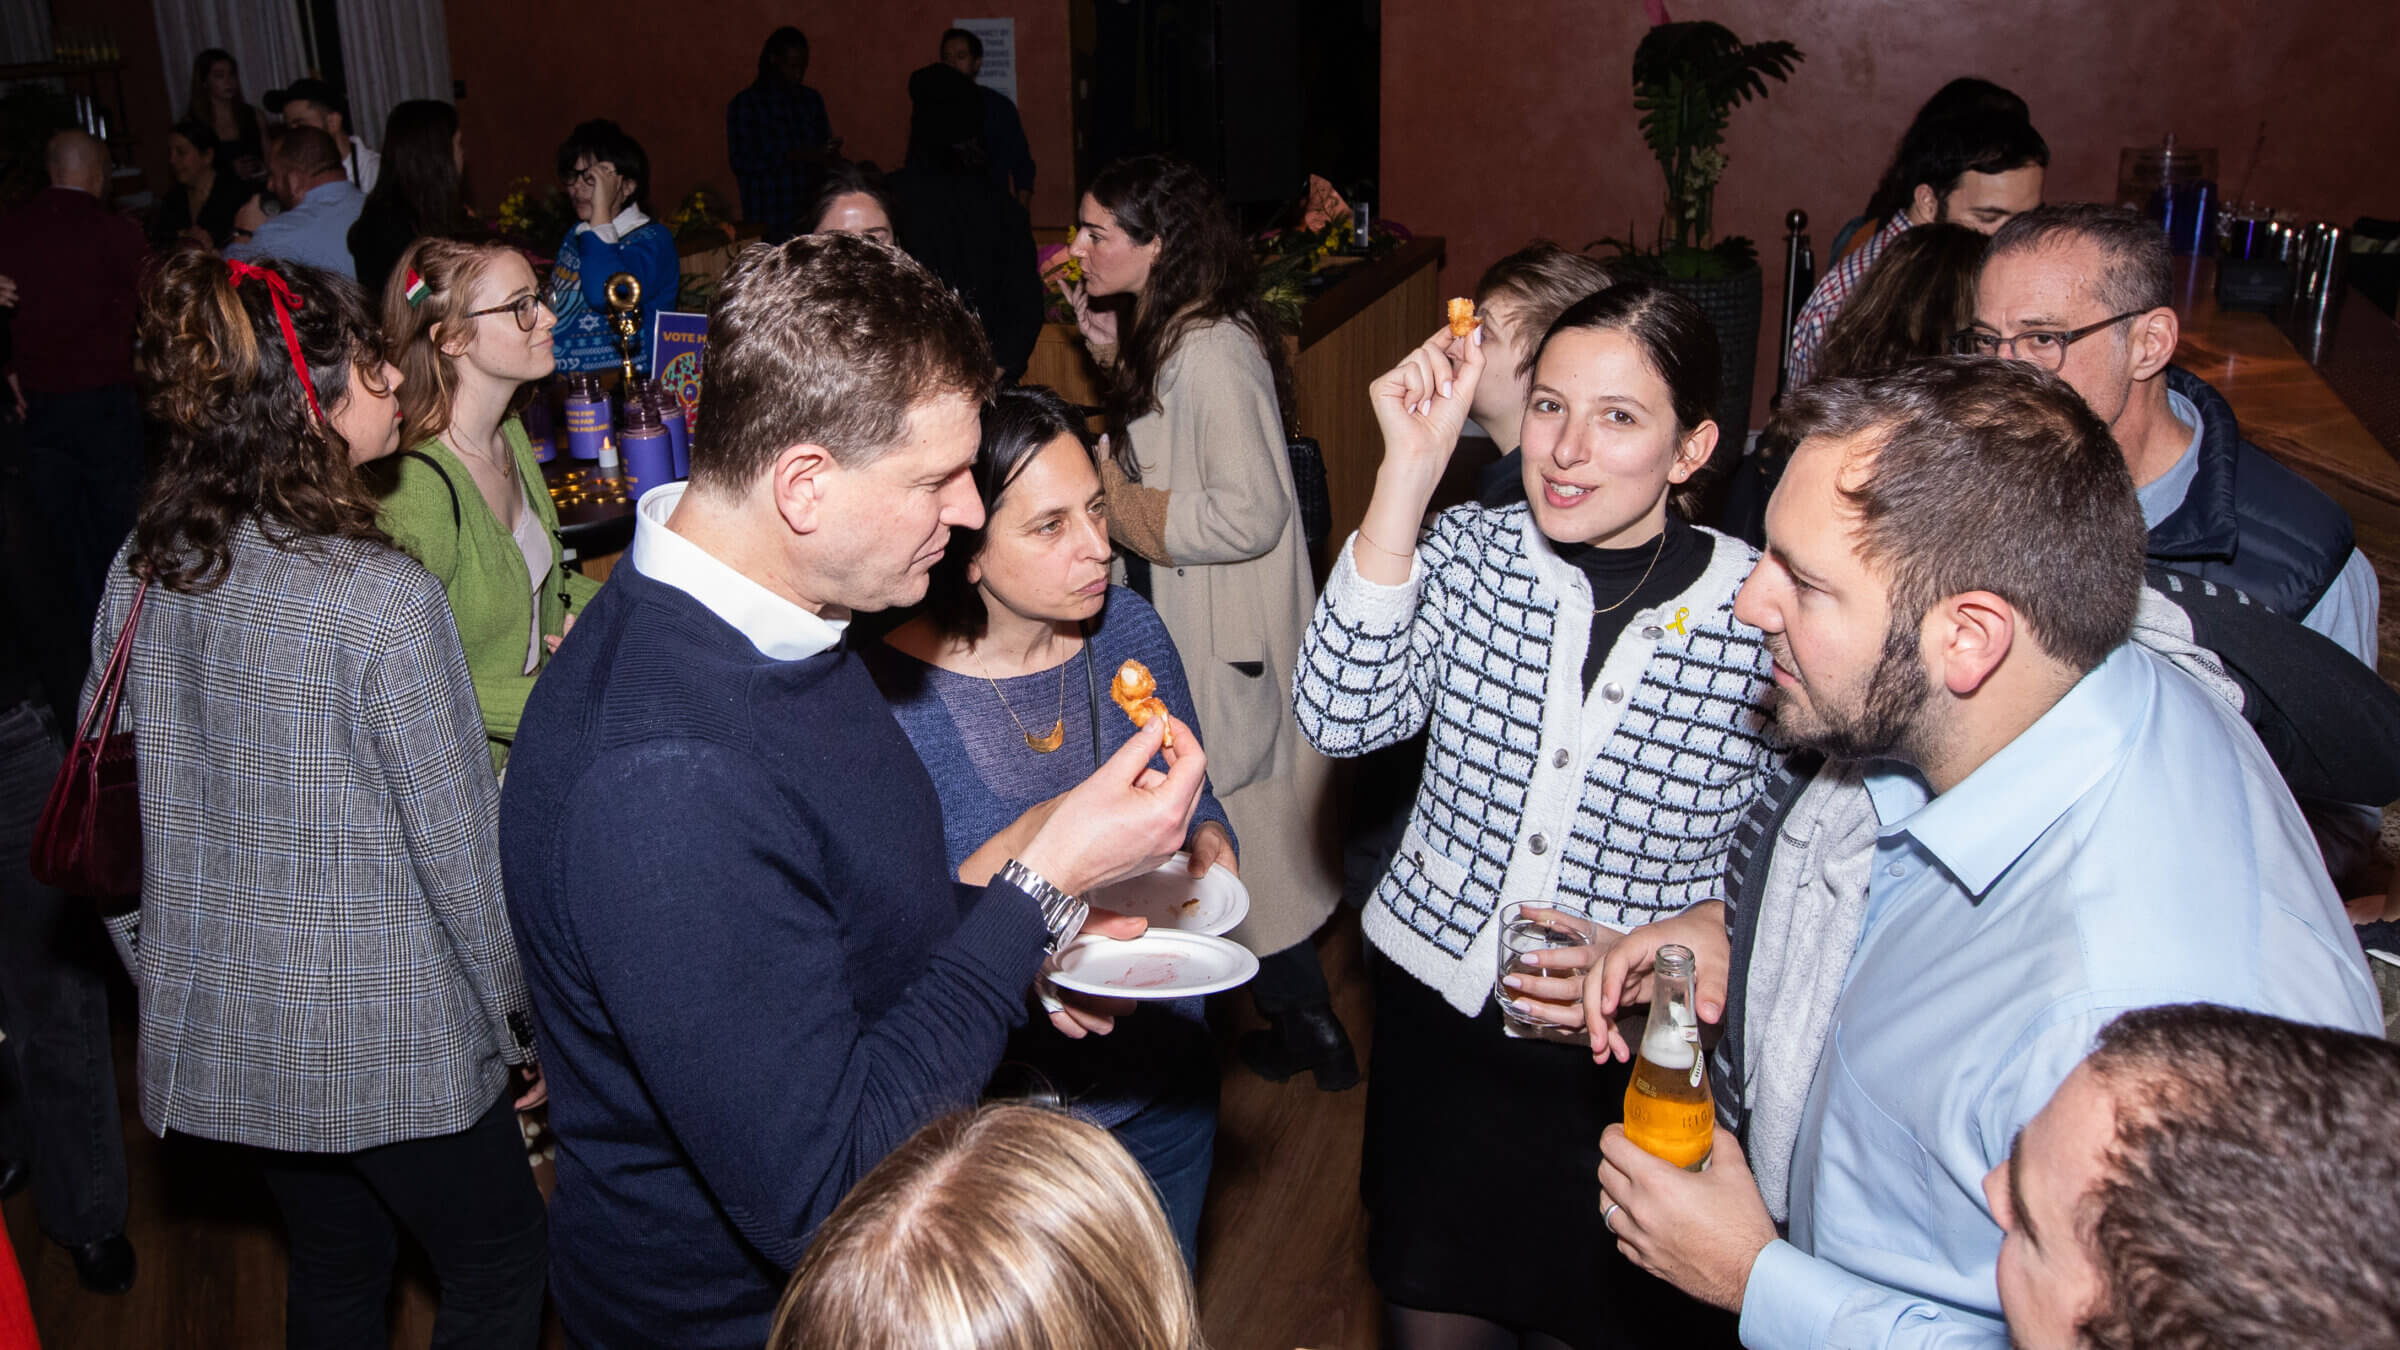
x,y
1649,573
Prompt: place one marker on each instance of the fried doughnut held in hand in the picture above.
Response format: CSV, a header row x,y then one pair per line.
x,y
1462,317
1136,692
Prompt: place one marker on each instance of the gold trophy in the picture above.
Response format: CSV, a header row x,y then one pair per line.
x,y
625,315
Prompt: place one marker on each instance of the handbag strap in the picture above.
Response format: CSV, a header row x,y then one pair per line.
x,y
112,684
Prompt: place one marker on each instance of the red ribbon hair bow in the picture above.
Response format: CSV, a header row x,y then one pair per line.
x,y
279,293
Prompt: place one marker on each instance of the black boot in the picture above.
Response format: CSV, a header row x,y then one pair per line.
x,y
106,1266
1303,1038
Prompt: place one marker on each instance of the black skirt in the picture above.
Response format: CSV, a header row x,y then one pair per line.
x,y
1480,1175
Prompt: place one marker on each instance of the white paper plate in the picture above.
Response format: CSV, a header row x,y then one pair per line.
x,y
1162,963
1172,897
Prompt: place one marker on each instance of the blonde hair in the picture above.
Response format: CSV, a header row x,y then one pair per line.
x,y
1540,282
428,374
1011,1227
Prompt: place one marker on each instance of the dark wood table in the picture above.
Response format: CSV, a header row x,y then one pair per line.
x,y
595,516
2284,400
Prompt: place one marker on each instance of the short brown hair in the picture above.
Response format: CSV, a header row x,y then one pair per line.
x,y
1540,281
428,375
1990,475
2137,273
236,438
2253,1187
1011,1227
827,340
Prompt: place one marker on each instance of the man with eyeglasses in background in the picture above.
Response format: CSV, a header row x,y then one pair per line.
x,y
2084,290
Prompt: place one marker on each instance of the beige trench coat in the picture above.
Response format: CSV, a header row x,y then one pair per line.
x,y
1236,596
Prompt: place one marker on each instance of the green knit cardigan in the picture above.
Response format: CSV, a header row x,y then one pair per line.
x,y
447,526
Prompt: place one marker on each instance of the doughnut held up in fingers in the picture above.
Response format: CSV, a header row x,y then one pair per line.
x,y
1462,317
1136,691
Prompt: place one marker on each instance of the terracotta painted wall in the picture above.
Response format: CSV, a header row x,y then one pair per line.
x,y
1520,123
668,85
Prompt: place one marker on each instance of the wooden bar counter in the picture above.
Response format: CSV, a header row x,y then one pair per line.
x,y
1358,328
2284,403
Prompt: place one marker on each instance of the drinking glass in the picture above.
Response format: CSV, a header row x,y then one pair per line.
x,y
1527,931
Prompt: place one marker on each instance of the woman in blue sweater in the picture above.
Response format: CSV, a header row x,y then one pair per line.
x,y
608,179
1001,684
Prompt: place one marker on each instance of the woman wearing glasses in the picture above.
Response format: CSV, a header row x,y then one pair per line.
x,y
608,178
468,329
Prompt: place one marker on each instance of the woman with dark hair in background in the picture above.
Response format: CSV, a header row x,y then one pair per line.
x,y
323,957
1919,294
1021,630
206,196
1200,489
215,101
854,202
1594,735
954,219
418,193
608,179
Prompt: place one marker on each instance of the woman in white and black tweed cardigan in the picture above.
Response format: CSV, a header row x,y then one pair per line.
x,y
1595,735
322,951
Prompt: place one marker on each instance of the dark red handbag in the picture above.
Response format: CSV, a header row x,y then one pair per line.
x,y
89,841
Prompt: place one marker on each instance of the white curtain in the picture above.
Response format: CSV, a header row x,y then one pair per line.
x,y
392,51
25,32
263,35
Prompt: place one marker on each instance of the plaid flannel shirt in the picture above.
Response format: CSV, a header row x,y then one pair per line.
x,y
763,125
323,956
1826,301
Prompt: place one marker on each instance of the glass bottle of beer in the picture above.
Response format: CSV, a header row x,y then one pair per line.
x,y
1668,1110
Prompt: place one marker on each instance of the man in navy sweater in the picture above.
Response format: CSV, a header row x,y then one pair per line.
x,y
753,972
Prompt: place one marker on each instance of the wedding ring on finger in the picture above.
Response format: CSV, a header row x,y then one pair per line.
x,y
1608,1217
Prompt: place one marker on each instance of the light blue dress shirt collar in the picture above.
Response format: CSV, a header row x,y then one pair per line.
x,y
781,630
1980,827
2161,495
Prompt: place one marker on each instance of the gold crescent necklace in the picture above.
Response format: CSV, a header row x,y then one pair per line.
x,y
1057,736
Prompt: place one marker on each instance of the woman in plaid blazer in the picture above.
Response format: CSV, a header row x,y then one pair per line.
x,y
324,962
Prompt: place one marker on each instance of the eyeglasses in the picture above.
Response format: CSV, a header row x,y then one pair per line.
x,y
526,308
2039,347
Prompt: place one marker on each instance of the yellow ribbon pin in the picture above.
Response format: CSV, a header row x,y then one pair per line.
x,y
1680,615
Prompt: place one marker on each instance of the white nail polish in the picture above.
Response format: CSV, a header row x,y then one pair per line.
x,y
1445,389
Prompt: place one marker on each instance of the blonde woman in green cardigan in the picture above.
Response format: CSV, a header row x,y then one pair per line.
x,y
468,327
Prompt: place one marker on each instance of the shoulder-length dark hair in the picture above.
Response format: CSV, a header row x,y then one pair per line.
x,y
607,143
1204,273
236,439
1677,342
1018,424
419,179
1917,296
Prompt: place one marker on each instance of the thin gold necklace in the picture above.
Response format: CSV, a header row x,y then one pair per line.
x,y
1040,745
1637,586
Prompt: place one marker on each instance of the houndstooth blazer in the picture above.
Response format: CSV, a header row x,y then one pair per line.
x,y
321,949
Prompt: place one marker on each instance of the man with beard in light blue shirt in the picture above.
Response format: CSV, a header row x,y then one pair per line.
x,y
2027,824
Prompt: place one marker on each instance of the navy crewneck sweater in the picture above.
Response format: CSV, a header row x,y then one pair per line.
x,y
753,971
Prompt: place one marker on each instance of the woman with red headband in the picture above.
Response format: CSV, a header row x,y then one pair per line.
x,y
324,961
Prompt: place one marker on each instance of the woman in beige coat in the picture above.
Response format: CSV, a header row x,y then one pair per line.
x,y
1200,496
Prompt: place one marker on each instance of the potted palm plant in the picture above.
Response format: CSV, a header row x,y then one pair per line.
x,y
1687,80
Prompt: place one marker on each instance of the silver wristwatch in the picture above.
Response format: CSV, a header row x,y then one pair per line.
x,y
1062,914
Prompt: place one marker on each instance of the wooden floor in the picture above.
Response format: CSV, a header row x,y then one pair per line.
x,y
1283,1244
